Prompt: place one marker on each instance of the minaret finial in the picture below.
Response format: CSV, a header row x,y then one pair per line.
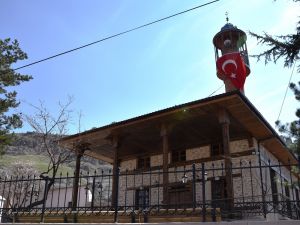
x,y
227,19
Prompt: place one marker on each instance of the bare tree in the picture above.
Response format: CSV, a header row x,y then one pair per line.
x,y
52,129
19,190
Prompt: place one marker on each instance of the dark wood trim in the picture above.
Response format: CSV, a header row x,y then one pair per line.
x,y
196,161
178,184
115,143
158,152
250,142
170,185
215,158
224,122
165,112
80,149
222,177
165,149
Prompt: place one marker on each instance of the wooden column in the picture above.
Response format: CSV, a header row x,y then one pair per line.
x,y
165,148
115,144
224,121
79,153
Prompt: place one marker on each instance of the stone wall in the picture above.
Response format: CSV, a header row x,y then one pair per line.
x,y
239,146
245,183
284,177
128,165
198,153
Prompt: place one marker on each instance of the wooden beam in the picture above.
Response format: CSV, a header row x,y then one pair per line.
x,y
165,147
79,150
133,146
115,144
225,121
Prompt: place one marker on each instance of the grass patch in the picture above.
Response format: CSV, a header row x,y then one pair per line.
x,y
39,162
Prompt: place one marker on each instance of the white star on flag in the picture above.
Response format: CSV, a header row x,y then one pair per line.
x,y
233,75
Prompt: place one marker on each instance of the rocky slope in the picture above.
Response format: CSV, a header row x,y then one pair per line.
x,y
28,148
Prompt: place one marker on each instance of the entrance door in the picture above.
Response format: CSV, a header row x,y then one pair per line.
x,y
180,197
219,195
142,198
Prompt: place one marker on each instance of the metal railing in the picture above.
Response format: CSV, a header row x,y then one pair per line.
x,y
197,189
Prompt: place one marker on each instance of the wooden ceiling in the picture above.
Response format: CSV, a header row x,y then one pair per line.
x,y
192,124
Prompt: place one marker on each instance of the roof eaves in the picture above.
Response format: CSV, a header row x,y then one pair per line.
x,y
169,109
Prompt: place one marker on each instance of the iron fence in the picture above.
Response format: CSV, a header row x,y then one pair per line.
x,y
258,190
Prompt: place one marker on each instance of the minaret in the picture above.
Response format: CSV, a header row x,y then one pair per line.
x,y
232,60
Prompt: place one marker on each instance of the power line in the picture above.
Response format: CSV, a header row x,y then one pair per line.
x,y
287,88
216,90
113,36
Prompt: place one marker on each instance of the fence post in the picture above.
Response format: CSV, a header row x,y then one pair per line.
x,y
194,186
116,194
44,199
203,193
261,183
93,192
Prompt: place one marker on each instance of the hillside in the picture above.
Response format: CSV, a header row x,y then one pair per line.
x,y
28,148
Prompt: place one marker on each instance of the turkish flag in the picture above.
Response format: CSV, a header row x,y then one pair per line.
x,y
233,67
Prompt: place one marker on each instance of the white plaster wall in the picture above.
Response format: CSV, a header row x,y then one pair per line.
x,y
61,198
156,160
282,174
128,165
198,153
246,182
239,146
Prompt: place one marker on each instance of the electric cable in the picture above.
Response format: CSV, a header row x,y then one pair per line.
x,y
287,88
216,90
115,35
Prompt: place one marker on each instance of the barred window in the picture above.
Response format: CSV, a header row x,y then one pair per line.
x,y
143,163
216,149
179,156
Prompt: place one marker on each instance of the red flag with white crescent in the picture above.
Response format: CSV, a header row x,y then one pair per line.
x,y
233,67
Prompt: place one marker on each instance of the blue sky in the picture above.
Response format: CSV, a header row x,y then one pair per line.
x,y
163,65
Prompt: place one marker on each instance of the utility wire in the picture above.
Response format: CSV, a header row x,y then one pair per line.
x,y
115,35
287,88
216,90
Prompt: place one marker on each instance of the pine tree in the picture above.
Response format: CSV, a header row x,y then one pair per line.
x,y
10,53
288,48
291,130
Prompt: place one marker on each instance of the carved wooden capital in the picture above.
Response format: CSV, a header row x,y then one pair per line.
x,y
115,141
165,129
223,117
81,148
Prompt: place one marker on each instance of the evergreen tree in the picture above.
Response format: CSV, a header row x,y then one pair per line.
x,y
288,48
10,53
292,130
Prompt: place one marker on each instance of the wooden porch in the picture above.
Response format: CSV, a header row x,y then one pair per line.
x,y
161,216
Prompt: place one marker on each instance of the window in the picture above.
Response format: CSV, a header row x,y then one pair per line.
x,y
143,163
216,150
142,198
297,197
69,204
274,186
179,156
288,201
